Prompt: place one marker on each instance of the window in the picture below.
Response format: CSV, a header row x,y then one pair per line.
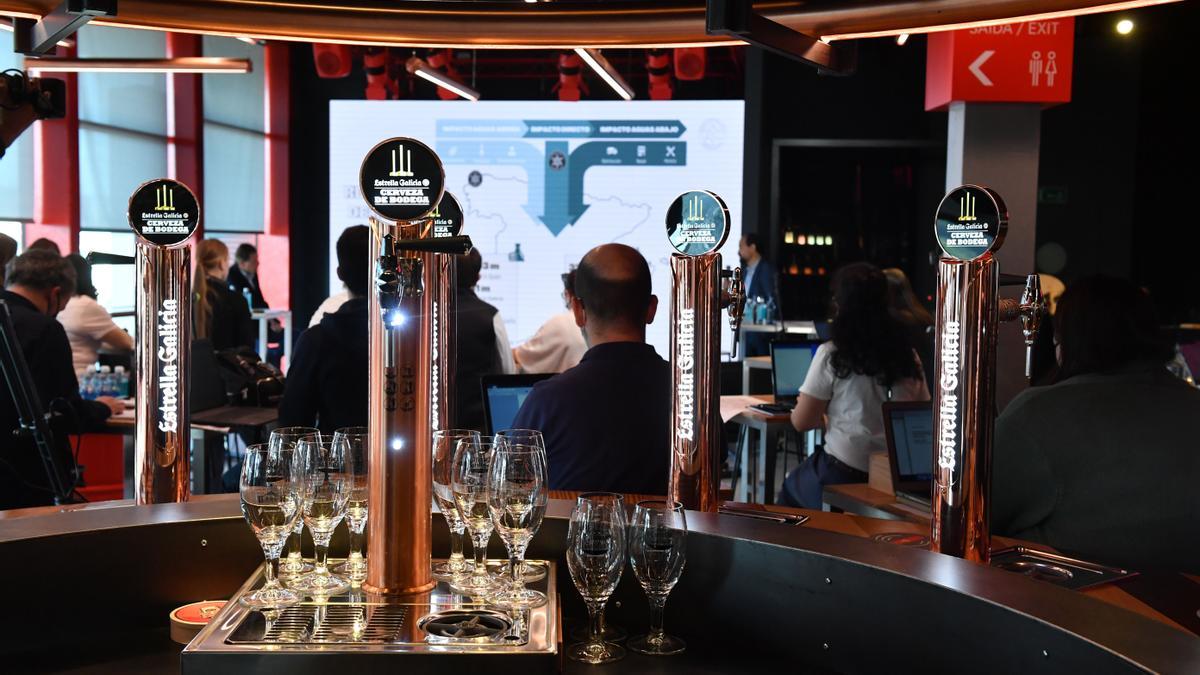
x,y
122,144
122,126
114,283
16,230
234,141
16,167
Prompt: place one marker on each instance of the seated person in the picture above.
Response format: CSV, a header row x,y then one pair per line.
x,y
1104,463
606,422
869,361
483,347
327,382
219,314
558,344
88,324
38,285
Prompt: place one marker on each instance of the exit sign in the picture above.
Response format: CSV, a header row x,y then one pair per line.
x,y
1027,62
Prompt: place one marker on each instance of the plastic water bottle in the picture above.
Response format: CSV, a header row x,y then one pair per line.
x,y
751,313
105,387
122,377
85,386
249,298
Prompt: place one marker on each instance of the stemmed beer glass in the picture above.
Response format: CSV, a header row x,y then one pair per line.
x,y
324,491
517,492
445,442
531,571
469,473
657,549
353,441
271,506
285,438
595,558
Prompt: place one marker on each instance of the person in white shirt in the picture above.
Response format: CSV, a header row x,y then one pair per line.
x,y
558,344
330,305
89,326
869,361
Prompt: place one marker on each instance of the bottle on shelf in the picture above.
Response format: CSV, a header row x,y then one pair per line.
x,y
105,382
122,378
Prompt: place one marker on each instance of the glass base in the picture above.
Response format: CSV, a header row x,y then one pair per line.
x,y
354,569
442,572
657,645
610,633
595,653
506,598
530,571
290,567
270,598
319,584
474,585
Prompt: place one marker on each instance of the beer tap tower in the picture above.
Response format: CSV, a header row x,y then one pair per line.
x,y
970,228
697,226
402,180
164,215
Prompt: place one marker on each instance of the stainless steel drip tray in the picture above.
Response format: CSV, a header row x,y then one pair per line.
x,y
430,632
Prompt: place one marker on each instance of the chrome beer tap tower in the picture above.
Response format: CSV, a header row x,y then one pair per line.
x,y
402,180
697,226
970,228
163,214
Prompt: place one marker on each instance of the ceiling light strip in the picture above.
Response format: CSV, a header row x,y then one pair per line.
x,y
605,70
188,64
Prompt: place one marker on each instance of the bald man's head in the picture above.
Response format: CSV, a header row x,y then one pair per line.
x,y
613,284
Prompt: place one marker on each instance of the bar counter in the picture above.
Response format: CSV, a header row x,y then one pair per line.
x,y
91,587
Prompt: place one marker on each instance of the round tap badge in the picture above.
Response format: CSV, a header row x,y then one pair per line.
x,y
402,179
971,221
447,217
163,212
697,222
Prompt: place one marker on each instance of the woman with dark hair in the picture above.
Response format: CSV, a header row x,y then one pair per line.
x,y
869,361
905,306
1104,462
88,324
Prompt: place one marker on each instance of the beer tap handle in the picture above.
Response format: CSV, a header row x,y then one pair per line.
x,y
736,303
387,280
1033,306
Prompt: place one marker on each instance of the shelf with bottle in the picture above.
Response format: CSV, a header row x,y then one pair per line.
x,y
104,381
797,238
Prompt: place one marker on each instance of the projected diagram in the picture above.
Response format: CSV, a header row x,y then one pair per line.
x,y
554,170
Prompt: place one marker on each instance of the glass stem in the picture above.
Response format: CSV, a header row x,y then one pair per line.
x,y
480,545
320,554
456,547
657,603
294,543
595,623
272,571
518,579
356,542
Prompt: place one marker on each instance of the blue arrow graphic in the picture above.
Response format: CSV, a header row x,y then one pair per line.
x,y
556,169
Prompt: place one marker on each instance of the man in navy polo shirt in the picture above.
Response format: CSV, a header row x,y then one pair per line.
x,y
606,421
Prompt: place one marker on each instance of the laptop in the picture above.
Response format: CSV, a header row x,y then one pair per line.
x,y
790,361
909,430
503,396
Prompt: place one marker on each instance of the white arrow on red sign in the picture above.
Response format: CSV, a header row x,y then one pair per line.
x,y
975,67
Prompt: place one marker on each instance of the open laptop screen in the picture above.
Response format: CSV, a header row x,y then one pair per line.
x,y
789,366
912,434
503,396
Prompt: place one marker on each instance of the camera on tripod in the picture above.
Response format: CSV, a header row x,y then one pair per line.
x,y
24,100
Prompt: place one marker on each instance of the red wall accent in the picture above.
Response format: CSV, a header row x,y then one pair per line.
x,y
273,249
185,120
56,173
